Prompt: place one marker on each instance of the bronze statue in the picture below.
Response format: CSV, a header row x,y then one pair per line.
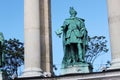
x,y
74,39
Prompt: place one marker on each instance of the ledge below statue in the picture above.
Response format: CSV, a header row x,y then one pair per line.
x,y
77,68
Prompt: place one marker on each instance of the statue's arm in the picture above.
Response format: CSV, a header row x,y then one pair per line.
x,y
81,27
61,29
59,32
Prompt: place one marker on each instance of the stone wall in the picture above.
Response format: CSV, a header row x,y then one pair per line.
x,y
107,75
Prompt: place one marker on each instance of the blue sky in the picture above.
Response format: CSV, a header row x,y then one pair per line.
x,y
11,19
93,11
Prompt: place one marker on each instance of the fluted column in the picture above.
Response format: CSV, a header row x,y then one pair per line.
x,y
114,25
32,38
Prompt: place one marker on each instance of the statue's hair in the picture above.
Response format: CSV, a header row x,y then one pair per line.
x,y
72,11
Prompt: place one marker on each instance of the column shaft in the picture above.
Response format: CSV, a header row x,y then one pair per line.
x,y
32,38
46,37
114,24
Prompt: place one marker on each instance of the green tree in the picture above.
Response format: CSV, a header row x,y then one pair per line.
x,y
13,57
96,47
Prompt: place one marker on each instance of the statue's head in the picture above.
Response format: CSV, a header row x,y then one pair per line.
x,y
72,12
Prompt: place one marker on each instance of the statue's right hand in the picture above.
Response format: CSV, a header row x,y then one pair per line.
x,y
59,32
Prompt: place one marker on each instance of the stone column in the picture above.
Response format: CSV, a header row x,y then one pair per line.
x,y
46,50
114,24
32,38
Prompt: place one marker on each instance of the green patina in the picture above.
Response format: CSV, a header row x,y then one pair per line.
x,y
74,39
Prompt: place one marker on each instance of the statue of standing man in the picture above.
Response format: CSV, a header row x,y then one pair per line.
x,y
74,39
1,47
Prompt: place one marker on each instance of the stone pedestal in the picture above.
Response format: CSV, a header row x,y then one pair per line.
x,y
76,68
114,26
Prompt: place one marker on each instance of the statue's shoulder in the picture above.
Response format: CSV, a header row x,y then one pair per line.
x,y
1,34
68,19
81,19
77,18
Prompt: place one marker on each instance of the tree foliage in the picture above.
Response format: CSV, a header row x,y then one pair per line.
x,y
97,46
13,57
14,53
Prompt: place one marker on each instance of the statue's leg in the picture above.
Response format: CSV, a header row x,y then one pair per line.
x,y
72,53
67,54
84,50
80,52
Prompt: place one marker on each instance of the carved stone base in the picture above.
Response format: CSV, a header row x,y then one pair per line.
x,y
76,68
